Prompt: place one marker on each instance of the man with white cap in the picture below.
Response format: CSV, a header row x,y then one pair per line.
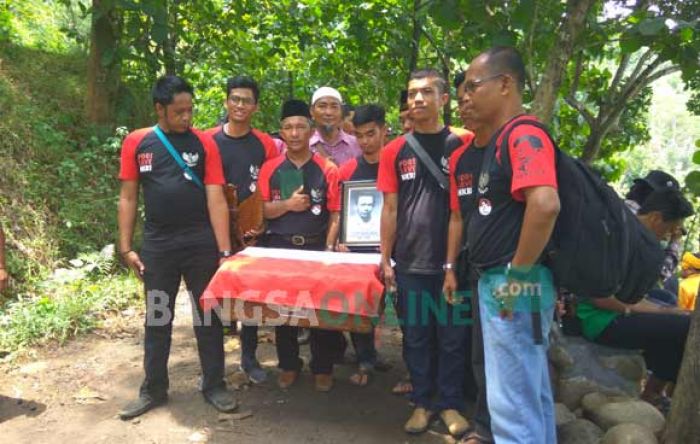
x,y
329,139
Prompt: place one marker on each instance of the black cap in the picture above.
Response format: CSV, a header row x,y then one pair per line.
x,y
294,107
658,179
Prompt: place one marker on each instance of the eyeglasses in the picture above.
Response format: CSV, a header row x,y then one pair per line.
x,y
472,85
238,100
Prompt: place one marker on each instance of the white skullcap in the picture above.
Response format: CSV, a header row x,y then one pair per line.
x,y
326,91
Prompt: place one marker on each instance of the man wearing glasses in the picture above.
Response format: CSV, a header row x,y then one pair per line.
x,y
509,202
329,139
243,151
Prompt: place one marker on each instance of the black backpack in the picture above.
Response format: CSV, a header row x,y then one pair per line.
x,y
598,248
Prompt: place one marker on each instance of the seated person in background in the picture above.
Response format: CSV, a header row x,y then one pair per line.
x,y
660,332
689,287
635,197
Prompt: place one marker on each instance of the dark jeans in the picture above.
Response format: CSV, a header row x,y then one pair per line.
x,y
162,276
249,346
325,344
663,297
661,337
434,334
364,349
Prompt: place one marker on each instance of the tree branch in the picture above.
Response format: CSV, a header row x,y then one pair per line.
x,y
443,57
624,61
640,64
530,53
577,74
578,106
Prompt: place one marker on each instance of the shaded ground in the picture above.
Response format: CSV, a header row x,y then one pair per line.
x,y
72,393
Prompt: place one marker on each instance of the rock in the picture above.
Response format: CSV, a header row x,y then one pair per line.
x,y
563,414
611,414
579,431
560,358
631,367
592,401
584,367
629,434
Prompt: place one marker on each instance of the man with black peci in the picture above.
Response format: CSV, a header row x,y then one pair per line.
x,y
180,172
301,204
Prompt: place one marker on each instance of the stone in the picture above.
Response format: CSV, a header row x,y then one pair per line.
x,y
629,434
579,431
593,400
584,367
563,414
560,358
631,367
609,415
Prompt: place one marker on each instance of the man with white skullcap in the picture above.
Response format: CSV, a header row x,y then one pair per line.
x,y
329,140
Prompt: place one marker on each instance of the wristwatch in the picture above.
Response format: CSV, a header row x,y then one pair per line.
x,y
448,266
226,253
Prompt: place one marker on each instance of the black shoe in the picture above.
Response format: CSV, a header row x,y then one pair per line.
x,y
140,406
221,399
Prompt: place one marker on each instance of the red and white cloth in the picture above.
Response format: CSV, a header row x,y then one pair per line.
x,y
344,283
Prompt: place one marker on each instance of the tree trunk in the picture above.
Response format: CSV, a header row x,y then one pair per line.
x,y
170,61
592,146
103,64
548,87
683,425
415,41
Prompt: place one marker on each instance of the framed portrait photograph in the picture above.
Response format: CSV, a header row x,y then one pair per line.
x,y
362,209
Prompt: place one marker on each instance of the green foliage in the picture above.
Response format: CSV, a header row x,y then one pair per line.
x,y
58,177
70,303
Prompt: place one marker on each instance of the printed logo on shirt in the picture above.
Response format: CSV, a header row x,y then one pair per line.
x,y
464,184
317,195
407,169
316,209
445,165
484,182
145,161
190,159
485,207
254,173
276,194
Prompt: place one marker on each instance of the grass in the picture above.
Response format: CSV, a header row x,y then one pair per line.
x,y
74,300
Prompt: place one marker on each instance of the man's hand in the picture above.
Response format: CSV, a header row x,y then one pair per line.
x,y
298,201
133,261
389,278
449,288
4,277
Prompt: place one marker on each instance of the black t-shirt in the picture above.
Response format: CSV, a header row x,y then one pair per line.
x,y
242,158
495,208
423,207
320,178
176,208
358,169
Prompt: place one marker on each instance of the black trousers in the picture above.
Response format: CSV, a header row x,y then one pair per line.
x,y
661,337
325,344
162,276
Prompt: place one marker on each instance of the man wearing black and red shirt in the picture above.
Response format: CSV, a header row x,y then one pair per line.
x,y
370,130
413,227
243,150
301,204
509,211
186,221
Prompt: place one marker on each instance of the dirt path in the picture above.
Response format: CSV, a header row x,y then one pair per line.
x,y
72,393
